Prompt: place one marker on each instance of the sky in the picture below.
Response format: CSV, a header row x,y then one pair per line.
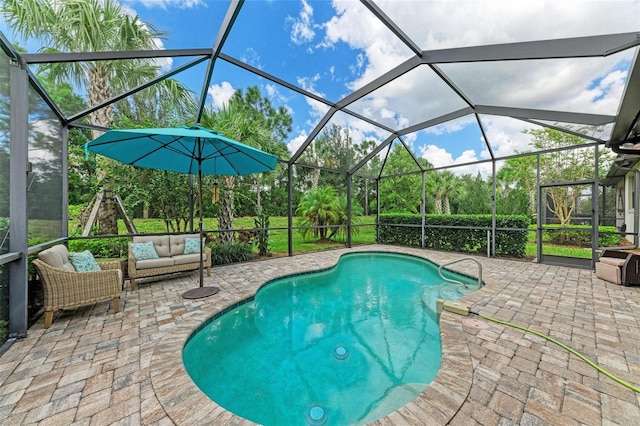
x,y
331,48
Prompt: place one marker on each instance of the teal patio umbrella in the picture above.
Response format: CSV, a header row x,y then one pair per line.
x,y
193,150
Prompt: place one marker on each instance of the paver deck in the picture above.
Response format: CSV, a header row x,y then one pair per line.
x,y
94,367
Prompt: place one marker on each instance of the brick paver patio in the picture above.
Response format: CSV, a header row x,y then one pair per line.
x,y
94,367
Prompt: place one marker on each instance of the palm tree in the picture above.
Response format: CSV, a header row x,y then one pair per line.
x,y
318,208
436,188
91,26
234,123
452,188
87,26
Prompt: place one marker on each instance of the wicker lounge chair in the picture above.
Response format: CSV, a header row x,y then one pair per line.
x,y
619,267
64,288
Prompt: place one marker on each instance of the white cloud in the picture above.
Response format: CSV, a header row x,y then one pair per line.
x,y
506,135
440,157
251,57
272,90
220,93
165,64
297,142
451,126
302,26
278,98
591,85
309,84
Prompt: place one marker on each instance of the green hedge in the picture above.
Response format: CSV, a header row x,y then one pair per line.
x,y
474,240
608,236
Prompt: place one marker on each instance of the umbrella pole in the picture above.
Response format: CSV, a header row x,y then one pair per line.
x,y
201,291
201,225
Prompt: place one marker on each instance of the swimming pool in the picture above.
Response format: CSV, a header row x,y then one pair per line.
x,y
346,345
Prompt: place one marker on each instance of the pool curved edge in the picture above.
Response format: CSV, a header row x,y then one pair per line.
x,y
185,403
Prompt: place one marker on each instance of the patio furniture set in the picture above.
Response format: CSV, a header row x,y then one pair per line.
x,y
71,280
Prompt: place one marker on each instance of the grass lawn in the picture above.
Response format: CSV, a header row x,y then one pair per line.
x,y
365,233
554,249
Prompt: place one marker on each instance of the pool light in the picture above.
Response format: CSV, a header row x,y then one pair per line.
x,y
340,353
316,415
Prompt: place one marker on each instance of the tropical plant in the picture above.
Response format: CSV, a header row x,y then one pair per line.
x,y
452,188
92,26
262,223
363,188
566,166
436,187
253,122
323,214
518,174
398,192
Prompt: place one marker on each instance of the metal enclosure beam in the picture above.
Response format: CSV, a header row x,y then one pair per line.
x,y
576,47
349,178
373,8
18,212
629,111
290,208
53,58
64,140
223,33
559,116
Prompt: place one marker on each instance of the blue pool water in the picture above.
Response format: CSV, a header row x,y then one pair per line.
x,y
346,345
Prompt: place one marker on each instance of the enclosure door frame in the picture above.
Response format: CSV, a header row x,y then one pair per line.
x,y
540,227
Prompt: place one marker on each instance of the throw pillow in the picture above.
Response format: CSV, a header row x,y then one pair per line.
x,y
84,261
191,245
144,251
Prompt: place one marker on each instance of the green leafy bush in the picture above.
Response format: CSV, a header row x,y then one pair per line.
x,y
4,331
102,247
608,236
221,254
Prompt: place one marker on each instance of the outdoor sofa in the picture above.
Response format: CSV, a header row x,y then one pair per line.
x,y
171,253
67,288
619,267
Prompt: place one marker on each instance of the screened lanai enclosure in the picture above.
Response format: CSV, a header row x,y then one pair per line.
x,y
494,128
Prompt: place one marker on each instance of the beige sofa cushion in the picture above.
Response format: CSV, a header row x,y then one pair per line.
x,y
160,262
610,273
614,261
57,256
177,243
182,259
160,242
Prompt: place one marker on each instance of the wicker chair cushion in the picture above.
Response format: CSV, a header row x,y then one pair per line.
x,y
57,256
144,251
84,261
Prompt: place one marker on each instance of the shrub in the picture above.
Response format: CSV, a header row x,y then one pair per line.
x,y
581,237
221,254
471,237
101,247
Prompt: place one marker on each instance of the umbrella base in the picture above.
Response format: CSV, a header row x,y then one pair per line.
x,y
200,292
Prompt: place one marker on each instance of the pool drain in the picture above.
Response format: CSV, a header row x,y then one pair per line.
x,y
340,353
316,415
